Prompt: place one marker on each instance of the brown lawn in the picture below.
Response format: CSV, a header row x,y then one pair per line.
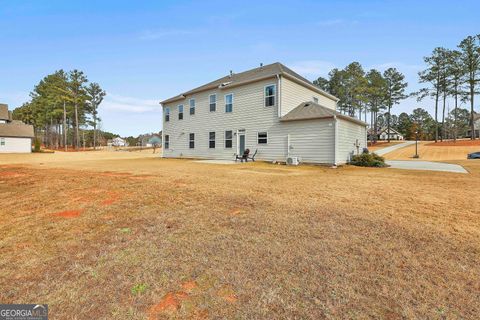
x,y
432,152
136,238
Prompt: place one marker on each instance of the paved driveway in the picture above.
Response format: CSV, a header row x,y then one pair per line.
x,y
418,164
426,165
386,150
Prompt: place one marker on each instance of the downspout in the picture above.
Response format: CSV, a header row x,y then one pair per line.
x,y
335,140
163,131
279,90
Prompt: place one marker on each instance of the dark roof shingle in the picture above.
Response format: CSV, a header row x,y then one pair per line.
x,y
310,110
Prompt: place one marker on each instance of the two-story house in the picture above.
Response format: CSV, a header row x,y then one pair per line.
x,y
271,109
15,136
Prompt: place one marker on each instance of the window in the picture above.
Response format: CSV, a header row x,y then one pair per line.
x,y
167,114
166,143
270,95
228,139
213,102
211,140
191,143
229,102
192,106
315,99
180,112
2,141
262,138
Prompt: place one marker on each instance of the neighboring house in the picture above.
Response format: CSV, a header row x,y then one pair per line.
x,y
15,136
117,142
271,109
394,134
476,125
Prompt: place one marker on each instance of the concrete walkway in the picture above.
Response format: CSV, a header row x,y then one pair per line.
x,y
426,165
386,150
219,161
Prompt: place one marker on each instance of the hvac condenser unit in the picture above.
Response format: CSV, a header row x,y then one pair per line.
x,y
293,161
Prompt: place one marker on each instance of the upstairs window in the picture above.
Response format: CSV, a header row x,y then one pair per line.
x,y
213,102
192,106
167,114
166,142
270,95
229,102
2,141
211,140
228,139
315,99
262,138
180,112
191,142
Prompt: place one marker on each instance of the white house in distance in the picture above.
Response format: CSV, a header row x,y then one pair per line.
x,y
117,142
270,109
394,134
15,136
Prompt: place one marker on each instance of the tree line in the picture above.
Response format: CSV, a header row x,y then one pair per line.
x,y
361,92
452,74
62,104
448,74
420,124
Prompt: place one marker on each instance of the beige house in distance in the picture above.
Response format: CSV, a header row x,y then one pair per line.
x,y
15,136
271,109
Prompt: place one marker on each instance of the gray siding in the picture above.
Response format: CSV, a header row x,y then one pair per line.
x,y
293,94
348,134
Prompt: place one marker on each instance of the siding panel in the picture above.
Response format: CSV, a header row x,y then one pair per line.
x,y
293,94
348,134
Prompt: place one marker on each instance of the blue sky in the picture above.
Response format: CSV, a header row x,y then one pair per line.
x,y
144,51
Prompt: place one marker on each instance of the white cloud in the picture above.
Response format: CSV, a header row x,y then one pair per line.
x,y
312,67
157,34
117,103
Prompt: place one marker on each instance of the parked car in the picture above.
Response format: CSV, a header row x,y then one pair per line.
x,y
474,155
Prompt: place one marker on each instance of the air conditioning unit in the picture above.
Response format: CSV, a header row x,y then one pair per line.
x,y
293,161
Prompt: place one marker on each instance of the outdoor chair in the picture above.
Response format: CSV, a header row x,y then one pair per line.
x,y
253,157
244,156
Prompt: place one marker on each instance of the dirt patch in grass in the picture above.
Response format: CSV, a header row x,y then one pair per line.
x,y
69,213
225,243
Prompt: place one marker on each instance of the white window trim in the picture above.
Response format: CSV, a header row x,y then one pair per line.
x,y
225,139
183,111
209,140
167,112
225,102
258,132
209,102
190,106
165,141
190,140
274,95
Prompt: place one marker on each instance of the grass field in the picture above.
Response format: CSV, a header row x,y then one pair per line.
x,y
114,236
433,152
